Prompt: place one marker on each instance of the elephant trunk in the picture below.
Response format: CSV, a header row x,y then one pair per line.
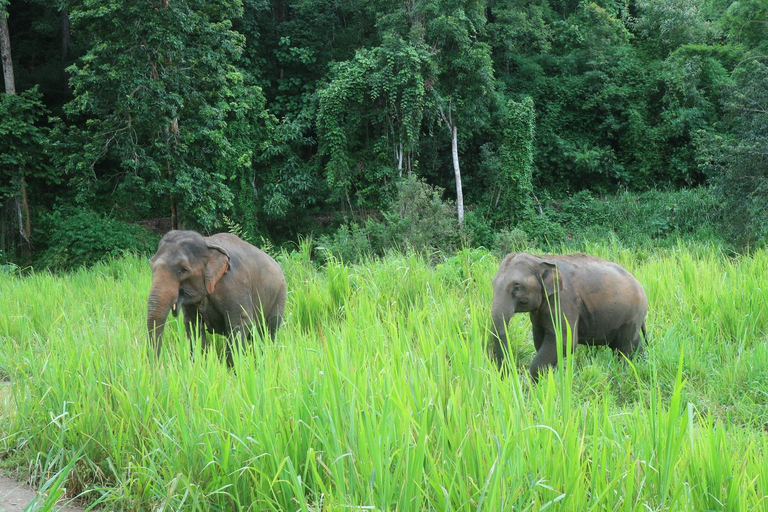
x,y
162,297
500,317
499,340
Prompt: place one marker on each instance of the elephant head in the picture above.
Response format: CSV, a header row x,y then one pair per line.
x,y
185,270
524,283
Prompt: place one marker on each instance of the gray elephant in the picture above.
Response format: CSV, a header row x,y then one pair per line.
x,y
223,284
602,303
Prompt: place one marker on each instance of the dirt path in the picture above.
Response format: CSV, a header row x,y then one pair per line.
x,y
15,496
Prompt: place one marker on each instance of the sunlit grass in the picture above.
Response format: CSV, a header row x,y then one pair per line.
x,y
378,393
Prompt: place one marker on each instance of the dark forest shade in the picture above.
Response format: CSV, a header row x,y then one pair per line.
x,y
276,114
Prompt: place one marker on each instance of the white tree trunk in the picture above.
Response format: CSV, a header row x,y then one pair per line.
x,y
5,51
454,130
399,156
457,172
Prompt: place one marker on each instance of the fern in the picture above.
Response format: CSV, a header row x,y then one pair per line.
x,y
237,229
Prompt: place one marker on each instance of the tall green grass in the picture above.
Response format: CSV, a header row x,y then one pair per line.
x,y
378,394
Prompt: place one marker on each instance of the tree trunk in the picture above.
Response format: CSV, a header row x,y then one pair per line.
x,y
454,130
174,213
399,156
457,173
174,204
64,35
5,50
22,203
26,224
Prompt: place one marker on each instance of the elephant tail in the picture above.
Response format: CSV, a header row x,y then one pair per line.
x,y
645,335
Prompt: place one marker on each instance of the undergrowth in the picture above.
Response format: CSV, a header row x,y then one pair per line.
x,y
378,394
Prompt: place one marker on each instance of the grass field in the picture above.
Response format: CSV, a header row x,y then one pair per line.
x,y
378,395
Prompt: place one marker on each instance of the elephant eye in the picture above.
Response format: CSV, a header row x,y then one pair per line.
x,y
183,270
516,288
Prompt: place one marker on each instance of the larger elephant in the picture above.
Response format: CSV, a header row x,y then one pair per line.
x,y
601,302
222,284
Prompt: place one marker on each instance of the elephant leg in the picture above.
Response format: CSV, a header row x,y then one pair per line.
x,y
273,323
239,332
628,342
538,335
546,357
195,328
275,317
547,349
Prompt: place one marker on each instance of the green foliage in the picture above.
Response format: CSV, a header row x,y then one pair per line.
x,y
285,184
7,267
80,238
350,243
371,112
463,67
736,160
427,224
517,160
417,220
477,230
670,24
154,102
23,141
746,24
510,240
282,115
638,219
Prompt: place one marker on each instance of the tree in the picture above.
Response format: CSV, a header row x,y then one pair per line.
x,y
153,95
464,77
379,93
669,24
5,52
517,159
737,159
21,139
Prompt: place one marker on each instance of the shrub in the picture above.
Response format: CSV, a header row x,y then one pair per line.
x,y
510,240
350,243
6,266
636,219
543,229
478,231
417,219
83,237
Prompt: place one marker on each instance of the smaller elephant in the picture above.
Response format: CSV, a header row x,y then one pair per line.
x,y
223,284
601,302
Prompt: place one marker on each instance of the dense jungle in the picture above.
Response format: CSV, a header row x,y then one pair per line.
x,y
358,123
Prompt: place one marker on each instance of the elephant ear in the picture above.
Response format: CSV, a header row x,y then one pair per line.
x,y
216,266
552,279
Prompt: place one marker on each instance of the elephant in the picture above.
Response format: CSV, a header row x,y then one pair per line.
x,y
601,302
223,284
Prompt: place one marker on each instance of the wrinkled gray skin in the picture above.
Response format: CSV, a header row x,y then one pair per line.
x,y
603,303
223,284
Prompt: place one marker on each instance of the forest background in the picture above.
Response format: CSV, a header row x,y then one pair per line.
x,y
380,124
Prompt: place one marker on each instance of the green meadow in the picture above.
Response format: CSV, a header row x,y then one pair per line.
x,y
378,394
